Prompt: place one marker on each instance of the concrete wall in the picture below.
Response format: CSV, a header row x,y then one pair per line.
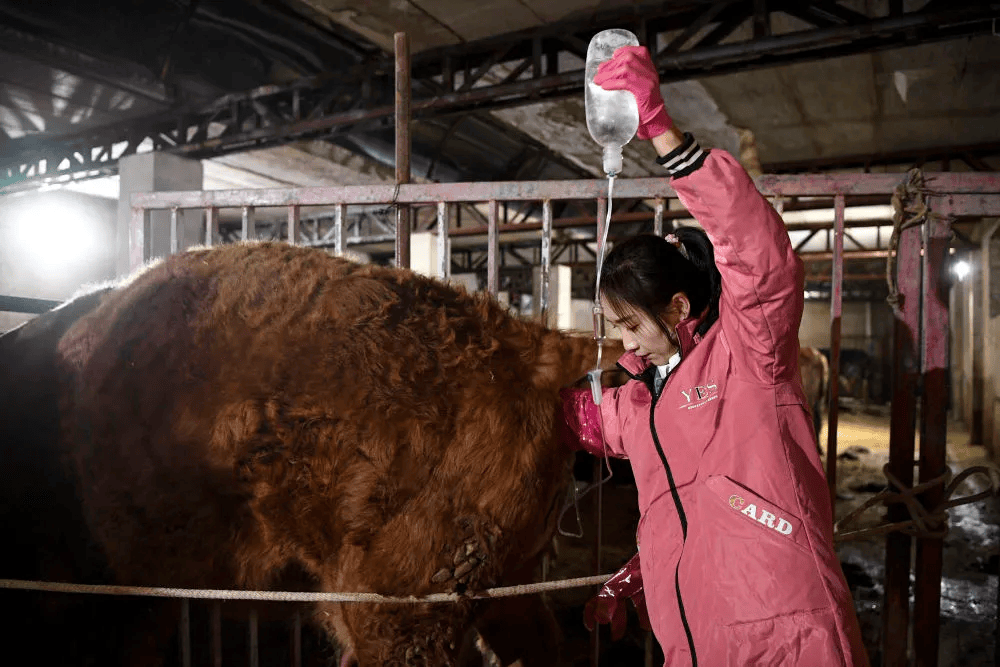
x,y
52,244
864,325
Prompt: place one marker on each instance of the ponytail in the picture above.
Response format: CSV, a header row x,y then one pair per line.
x,y
701,254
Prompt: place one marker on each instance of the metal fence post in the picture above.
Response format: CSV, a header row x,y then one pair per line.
x,y
402,48
836,311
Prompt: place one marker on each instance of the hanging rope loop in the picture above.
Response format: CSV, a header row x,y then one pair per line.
x,y
909,209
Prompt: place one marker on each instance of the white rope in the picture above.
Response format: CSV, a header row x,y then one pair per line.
x,y
290,596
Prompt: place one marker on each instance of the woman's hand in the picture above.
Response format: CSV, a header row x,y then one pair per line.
x,y
633,70
608,605
579,423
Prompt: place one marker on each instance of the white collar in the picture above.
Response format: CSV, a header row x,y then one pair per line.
x,y
670,365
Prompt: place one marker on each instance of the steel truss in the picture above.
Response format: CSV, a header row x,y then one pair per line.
x,y
693,39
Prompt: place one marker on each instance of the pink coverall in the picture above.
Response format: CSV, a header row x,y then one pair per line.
x,y
736,537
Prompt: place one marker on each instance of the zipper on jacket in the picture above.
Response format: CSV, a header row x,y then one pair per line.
x,y
680,514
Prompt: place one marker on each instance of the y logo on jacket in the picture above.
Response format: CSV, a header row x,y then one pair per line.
x,y
695,397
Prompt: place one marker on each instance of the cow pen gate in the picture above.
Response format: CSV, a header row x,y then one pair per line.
x,y
920,315
920,310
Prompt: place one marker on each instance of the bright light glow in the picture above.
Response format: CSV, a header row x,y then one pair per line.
x,y
53,238
961,269
106,187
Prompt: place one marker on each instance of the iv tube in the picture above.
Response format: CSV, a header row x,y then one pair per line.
x,y
598,311
595,382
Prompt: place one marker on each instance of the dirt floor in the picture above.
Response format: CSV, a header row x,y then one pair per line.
x,y
969,584
968,630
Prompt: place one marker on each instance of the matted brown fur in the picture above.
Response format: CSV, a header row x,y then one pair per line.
x,y
241,411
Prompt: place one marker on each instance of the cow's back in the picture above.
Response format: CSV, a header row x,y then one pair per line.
x,y
244,410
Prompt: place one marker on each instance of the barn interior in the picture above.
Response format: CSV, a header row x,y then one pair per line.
x,y
103,100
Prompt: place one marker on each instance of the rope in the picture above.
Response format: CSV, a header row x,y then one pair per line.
x,y
925,524
908,198
289,596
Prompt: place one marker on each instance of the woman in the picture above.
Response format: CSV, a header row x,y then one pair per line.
x,y
736,537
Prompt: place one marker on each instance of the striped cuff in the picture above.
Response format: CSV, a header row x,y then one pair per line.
x,y
685,158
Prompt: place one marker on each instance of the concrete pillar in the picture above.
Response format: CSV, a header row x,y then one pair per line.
x,y
156,172
423,253
560,295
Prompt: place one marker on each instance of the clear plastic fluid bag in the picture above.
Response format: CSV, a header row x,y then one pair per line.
x,y
612,115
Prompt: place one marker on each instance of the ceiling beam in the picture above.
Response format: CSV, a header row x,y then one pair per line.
x,y
125,76
971,154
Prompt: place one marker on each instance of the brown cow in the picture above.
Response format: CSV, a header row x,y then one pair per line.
x,y
233,414
815,373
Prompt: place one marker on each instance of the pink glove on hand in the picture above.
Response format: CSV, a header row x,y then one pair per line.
x,y
580,425
606,606
632,69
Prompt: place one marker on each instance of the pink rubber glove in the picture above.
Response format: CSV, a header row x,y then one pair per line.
x,y
632,69
580,423
605,607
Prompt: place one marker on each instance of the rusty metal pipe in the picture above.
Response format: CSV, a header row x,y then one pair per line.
x,y
493,250
846,254
216,634
975,193
294,218
211,225
137,237
836,310
443,245
933,434
297,639
174,237
185,633
339,245
253,639
898,546
402,49
658,211
545,297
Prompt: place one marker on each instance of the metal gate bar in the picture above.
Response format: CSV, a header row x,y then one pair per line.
x,y
836,310
933,436
896,610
